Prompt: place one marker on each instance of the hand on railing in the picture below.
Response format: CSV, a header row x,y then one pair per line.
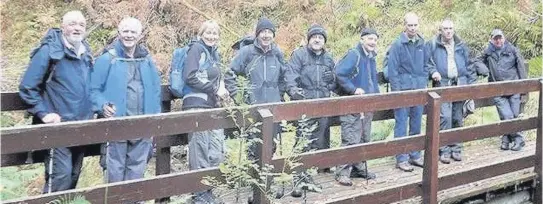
x,y
436,76
51,118
109,110
359,91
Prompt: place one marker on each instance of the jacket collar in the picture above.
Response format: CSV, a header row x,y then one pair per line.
x,y
312,53
140,52
404,39
363,51
457,41
273,47
491,48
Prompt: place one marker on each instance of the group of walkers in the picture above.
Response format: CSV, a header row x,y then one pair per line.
x,y
64,83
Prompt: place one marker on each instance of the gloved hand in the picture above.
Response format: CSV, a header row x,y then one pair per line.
x,y
328,77
297,94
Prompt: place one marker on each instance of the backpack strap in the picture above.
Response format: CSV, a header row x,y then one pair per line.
x,y
51,70
433,45
207,56
358,55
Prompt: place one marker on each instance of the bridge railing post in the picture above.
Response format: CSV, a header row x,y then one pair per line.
x,y
264,153
538,196
163,154
430,172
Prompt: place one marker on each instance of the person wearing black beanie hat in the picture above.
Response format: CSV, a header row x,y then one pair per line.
x,y
311,77
316,29
264,23
265,34
356,74
262,64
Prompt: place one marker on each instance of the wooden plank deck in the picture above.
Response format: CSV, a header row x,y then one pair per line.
x,y
388,176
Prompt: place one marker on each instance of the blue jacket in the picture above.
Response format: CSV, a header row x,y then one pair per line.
x,y
109,80
406,62
349,79
438,58
66,90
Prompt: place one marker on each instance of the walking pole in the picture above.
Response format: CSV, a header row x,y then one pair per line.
x,y
362,117
50,169
106,174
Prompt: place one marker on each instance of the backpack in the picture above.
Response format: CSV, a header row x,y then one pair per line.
x,y
177,84
386,73
358,56
244,41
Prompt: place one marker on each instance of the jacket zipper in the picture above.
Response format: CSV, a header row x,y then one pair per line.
x,y
265,77
318,76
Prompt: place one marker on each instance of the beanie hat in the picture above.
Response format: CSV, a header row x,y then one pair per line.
x,y
264,23
368,31
316,29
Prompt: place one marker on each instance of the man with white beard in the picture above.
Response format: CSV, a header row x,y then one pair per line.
x,y
125,82
56,87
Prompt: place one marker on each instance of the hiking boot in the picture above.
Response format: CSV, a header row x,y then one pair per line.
x,y
456,156
445,158
518,144
505,142
324,170
404,166
279,194
417,162
297,192
344,180
362,174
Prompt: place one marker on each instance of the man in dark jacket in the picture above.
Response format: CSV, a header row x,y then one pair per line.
x,y
56,86
125,82
357,75
312,77
406,61
505,62
448,66
263,64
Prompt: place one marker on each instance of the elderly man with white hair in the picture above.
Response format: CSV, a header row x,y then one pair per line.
x,y
125,82
56,88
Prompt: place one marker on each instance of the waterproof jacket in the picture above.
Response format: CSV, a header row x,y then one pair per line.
x,y
57,80
202,82
109,83
265,72
306,72
437,61
364,76
504,64
406,63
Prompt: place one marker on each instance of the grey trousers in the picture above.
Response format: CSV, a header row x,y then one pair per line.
x,y
354,130
509,108
206,149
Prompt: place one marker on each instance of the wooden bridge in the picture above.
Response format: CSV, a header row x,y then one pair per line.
x,y
433,184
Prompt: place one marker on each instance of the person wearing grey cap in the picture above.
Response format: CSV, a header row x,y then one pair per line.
x,y
262,63
312,77
357,75
448,66
505,62
406,59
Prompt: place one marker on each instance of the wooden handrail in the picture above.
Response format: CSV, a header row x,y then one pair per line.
x,y
21,139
